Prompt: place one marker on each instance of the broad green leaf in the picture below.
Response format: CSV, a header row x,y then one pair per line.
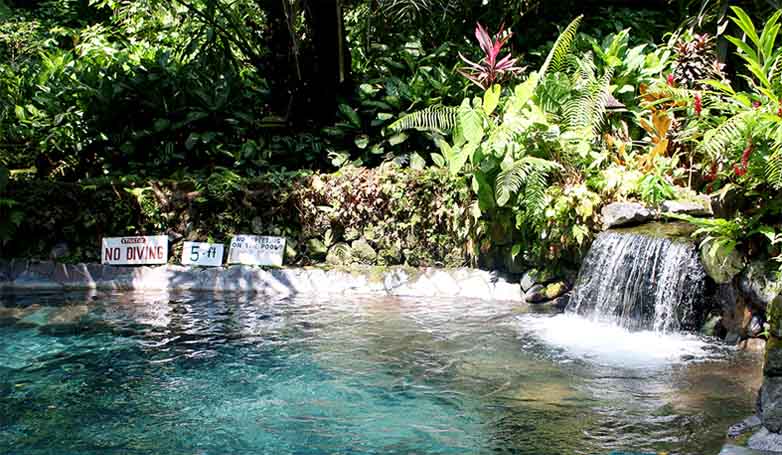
x,y
20,114
361,141
351,115
397,138
459,158
491,98
417,162
524,91
445,148
749,54
720,86
746,25
438,160
470,124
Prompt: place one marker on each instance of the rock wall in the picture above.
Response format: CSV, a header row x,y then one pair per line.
x,y
394,281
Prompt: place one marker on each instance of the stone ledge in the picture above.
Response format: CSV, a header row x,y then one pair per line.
x,y
394,281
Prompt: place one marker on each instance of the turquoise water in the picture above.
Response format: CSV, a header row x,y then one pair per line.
x,y
201,374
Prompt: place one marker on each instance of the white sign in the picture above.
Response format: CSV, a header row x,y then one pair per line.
x,y
151,249
199,253
256,250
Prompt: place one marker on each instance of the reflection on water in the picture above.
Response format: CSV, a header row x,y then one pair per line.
x,y
158,373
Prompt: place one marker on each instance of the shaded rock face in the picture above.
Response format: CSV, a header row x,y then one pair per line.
x,y
736,314
624,214
759,283
771,403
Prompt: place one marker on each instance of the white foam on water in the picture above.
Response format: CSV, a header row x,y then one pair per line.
x,y
608,344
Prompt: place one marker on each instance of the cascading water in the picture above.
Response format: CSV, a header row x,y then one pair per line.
x,y
640,282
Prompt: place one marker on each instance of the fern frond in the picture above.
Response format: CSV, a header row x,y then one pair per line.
x,y
433,118
561,48
774,168
602,96
519,175
585,112
716,141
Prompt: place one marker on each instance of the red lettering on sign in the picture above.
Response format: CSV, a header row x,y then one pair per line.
x,y
111,254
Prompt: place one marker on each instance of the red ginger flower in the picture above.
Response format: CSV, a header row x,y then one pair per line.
x,y
741,170
698,104
670,80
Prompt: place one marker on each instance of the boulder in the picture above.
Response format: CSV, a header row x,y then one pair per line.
x,y
759,283
624,214
363,251
721,263
545,293
535,294
692,208
536,276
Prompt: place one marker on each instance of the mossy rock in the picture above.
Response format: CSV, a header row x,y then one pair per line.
x,y
773,361
340,254
674,231
363,252
721,263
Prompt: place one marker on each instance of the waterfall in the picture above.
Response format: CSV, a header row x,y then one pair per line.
x,y
640,282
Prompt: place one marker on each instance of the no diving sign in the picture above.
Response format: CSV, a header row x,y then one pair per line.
x,y
141,250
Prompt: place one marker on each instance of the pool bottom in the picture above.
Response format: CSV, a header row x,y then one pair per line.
x,y
209,374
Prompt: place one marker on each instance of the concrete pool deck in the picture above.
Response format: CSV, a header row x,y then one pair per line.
x,y
390,281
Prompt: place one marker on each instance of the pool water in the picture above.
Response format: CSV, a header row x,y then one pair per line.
x,y
205,374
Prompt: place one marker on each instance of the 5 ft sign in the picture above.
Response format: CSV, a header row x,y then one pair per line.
x,y
204,254
135,250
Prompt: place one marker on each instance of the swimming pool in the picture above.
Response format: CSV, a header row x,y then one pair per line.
x,y
238,374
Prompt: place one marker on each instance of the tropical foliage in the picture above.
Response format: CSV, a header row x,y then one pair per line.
x,y
534,127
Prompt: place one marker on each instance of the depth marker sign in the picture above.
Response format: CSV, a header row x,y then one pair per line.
x,y
200,253
142,250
